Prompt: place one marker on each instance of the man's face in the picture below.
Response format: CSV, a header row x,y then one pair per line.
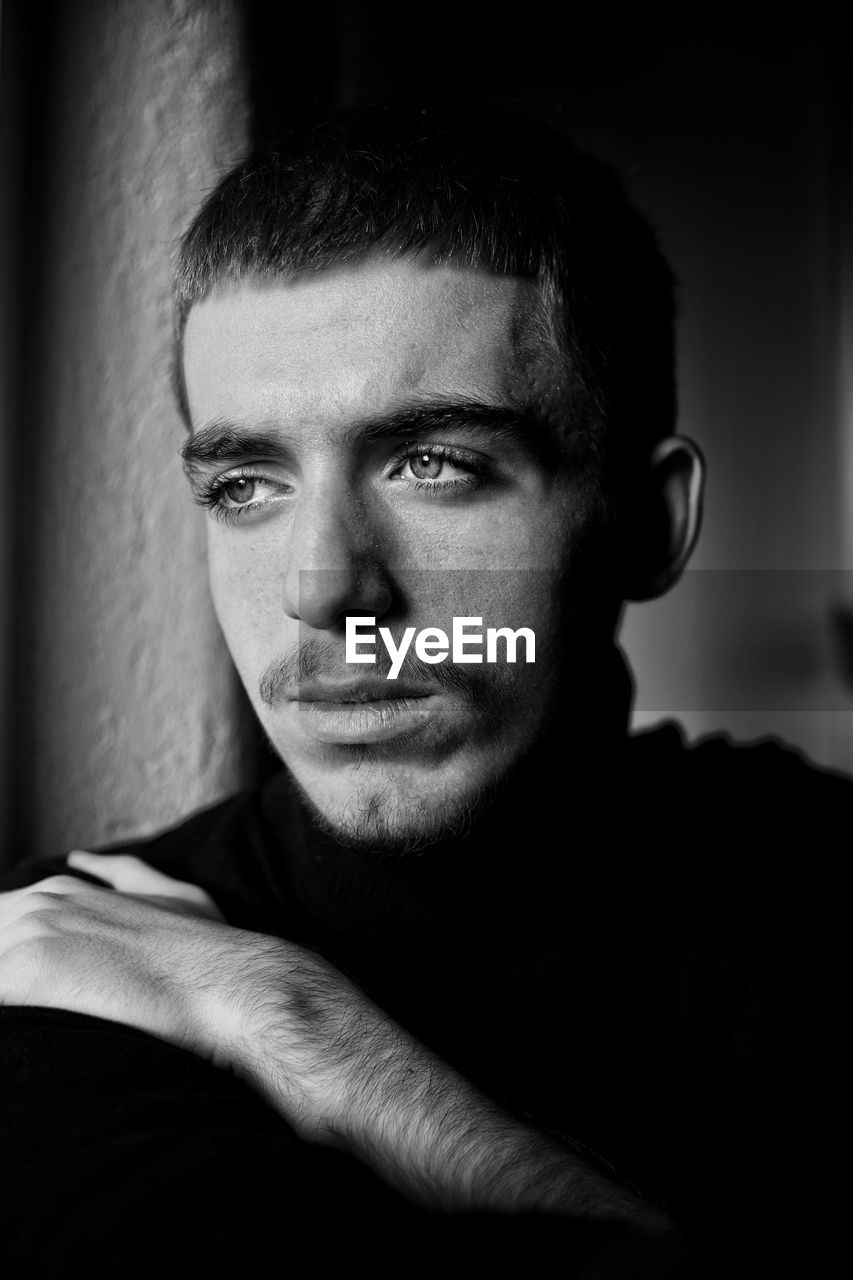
x,y
388,440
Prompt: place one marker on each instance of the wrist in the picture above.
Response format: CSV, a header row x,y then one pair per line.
x,y
301,1034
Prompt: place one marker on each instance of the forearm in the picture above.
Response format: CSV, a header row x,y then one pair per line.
x,y
336,1067
431,1134
435,1136
445,1144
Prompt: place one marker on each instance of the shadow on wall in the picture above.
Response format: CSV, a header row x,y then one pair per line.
x,y
762,628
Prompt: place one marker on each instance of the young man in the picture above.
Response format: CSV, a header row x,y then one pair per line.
x,y
550,982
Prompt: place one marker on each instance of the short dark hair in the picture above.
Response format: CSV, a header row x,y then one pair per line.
x,y
458,185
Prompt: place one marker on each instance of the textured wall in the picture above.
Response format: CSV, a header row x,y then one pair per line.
x,y
130,690
8,253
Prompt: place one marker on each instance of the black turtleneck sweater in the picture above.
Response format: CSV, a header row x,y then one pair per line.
x,y
643,962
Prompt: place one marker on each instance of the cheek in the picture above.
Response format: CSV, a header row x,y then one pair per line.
x,y
523,533
246,586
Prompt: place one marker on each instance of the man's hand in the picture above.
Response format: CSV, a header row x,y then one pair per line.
x,y
141,956
131,875
157,956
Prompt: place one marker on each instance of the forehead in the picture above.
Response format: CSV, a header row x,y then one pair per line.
x,y
362,338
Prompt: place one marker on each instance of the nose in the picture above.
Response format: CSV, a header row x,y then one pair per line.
x,y
333,564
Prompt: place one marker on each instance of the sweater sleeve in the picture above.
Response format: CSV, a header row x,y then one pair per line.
x,y
122,1154
119,1150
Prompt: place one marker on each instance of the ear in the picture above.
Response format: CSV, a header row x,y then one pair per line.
x,y
665,517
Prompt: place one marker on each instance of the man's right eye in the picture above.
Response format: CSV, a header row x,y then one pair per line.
x,y
232,497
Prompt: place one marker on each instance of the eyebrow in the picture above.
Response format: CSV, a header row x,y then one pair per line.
x,y
223,442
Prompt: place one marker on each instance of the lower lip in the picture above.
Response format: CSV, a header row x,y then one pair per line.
x,y
356,723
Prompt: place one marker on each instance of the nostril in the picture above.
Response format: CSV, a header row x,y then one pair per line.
x,y
322,598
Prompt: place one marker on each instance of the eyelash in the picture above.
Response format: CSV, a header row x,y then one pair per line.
x,y
209,493
475,466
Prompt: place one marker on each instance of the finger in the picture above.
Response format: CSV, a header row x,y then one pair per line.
x,y
131,875
124,872
128,874
55,886
44,895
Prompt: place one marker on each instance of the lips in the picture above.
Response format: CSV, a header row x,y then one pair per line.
x,y
362,712
346,692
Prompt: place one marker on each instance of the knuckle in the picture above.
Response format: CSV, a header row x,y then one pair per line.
x,y
38,919
40,900
58,885
28,956
31,949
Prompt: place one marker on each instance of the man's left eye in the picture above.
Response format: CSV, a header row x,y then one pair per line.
x,y
439,467
426,465
240,490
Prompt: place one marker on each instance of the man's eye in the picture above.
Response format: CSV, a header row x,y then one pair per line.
x,y
230,497
240,490
426,465
439,468
233,492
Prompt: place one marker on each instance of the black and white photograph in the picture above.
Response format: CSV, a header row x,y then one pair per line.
x,y
426,661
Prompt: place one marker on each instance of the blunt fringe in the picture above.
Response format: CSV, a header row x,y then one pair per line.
x,y
457,185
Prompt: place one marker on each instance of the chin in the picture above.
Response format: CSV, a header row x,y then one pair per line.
x,y
383,817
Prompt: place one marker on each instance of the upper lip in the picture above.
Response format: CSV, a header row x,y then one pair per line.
x,y
357,690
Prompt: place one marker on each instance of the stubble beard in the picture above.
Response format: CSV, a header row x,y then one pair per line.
x,y
381,811
378,817
386,811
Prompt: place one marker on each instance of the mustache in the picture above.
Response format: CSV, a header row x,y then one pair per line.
x,y
317,658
